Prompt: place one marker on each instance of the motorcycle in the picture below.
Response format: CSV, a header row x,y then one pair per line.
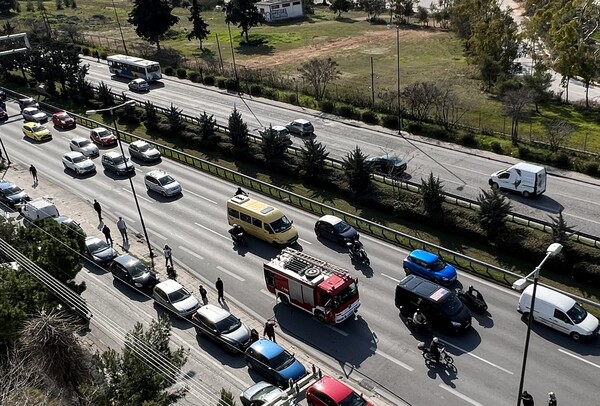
x,y
239,238
473,301
419,328
171,274
444,357
359,254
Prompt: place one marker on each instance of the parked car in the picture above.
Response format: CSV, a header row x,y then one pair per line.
x,y
2,95
63,120
11,194
27,102
222,327
429,266
300,127
117,163
84,146
34,114
99,250
335,229
271,360
163,183
175,298
281,132
138,85
387,164
78,163
260,393
331,392
3,115
141,149
103,137
68,222
36,131
132,271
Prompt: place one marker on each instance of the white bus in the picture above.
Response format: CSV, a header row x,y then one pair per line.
x,y
134,67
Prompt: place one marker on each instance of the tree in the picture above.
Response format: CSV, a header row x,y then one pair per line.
x,y
587,61
539,81
131,379
176,123
373,8
227,398
340,6
244,14
152,19
7,5
357,171
238,131
514,102
199,26
432,191
151,115
558,131
208,128
493,209
561,231
319,73
423,16
312,160
273,146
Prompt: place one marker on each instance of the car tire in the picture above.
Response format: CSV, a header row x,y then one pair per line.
x,y
525,194
575,336
495,186
407,271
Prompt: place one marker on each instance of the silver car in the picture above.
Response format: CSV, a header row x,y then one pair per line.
x,y
140,149
78,162
117,163
175,298
261,393
163,183
301,127
34,114
139,85
85,146
99,250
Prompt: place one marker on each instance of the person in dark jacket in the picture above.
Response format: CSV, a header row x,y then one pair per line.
x,y
219,286
106,232
98,209
527,399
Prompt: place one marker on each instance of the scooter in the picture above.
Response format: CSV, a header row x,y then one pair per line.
x,y
473,301
359,255
419,328
239,238
444,357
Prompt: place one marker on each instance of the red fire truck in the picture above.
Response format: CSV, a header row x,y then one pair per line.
x,y
318,287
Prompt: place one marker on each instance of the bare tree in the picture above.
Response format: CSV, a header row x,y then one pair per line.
x,y
515,102
319,73
557,132
420,99
18,378
446,107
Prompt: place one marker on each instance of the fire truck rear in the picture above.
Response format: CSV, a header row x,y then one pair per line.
x,y
318,287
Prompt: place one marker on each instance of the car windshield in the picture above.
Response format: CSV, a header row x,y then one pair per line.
x,y
342,227
137,269
228,324
38,128
118,159
179,295
281,225
63,116
104,133
282,360
263,393
79,158
345,295
306,126
97,246
84,143
577,313
437,266
165,180
354,399
12,190
452,305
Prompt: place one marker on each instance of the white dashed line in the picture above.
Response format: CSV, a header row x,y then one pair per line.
x,y
304,241
239,278
460,395
578,358
129,220
394,360
201,197
392,278
212,231
189,251
477,357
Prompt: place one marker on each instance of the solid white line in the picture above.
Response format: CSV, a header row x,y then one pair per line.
x,y
157,234
239,278
201,197
460,395
337,330
138,196
392,278
308,242
488,284
212,231
578,358
394,360
189,251
477,357
129,220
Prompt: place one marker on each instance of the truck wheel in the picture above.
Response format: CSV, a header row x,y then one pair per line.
x,y
525,194
320,316
494,185
575,336
284,299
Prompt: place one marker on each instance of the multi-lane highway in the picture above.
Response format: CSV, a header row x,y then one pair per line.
x,y
465,172
377,345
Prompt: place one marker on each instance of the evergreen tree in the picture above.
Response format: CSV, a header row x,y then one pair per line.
x,y
152,19
238,131
561,231
433,194
151,115
208,128
357,171
273,146
243,14
312,160
493,209
175,120
199,26
227,398
340,6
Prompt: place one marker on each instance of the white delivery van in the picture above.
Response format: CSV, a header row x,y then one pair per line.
x,y
38,209
524,178
560,312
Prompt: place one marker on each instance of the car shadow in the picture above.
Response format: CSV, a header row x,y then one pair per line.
x,y
62,130
75,175
95,268
141,162
217,352
162,199
110,174
543,202
584,347
130,292
332,245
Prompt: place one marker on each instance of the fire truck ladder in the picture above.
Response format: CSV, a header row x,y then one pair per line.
x,y
300,262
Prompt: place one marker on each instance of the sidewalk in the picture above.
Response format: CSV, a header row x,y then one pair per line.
x,y
82,211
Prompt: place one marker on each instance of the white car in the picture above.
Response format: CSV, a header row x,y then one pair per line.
x,y
34,114
78,162
163,183
139,85
85,146
175,298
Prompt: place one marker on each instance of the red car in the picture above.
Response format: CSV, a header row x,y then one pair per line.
x,y
329,392
63,120
103,137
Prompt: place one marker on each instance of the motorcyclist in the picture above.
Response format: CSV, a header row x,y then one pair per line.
x,y
435,348
355,247
236,231
419,318
240,192
474,293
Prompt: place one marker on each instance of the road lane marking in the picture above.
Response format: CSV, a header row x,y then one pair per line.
x,y
578,358
157,234
212,231
189,251
138,196
394,360
201,197
460,395
488,284
391,277
337,330
308,242
239,278
129,220
477,357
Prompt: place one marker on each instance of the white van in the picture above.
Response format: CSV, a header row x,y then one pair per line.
x,y
560,312
524,178
38,209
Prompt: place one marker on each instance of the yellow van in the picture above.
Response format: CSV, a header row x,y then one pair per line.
x,y
261,220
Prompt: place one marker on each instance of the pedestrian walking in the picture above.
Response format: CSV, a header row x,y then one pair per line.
x,y
33,172
168,255
106,232
219,286
122,229
527,399
551,399
97,55
203,295
270,330
98,209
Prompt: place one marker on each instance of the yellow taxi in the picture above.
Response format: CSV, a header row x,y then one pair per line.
x,y
36,131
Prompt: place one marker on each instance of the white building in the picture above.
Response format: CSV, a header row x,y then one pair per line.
x,y
275,10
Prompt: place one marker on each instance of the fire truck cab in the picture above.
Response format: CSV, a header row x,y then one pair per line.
x,y
325,290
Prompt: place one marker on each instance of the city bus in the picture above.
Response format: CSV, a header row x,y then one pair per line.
x,y
133,67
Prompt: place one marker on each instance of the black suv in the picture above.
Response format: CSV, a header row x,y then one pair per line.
x,y
440,305
133,272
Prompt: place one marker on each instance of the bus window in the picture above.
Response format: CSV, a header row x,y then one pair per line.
x,y
246,218
233,213
257,223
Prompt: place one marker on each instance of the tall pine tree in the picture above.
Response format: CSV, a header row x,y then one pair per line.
x,y
152,19
200,29
244,14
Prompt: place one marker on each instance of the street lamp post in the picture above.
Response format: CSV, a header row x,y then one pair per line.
x,y
553,250
137,204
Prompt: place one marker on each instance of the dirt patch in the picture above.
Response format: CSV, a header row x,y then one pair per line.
x,y
331,47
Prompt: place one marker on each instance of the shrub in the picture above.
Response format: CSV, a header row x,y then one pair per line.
x,y
346,111
327,106
590,168
468,139
369,117
168,71
390,121
496,147
270,93
231,84
221,82
256,90
103,55
181,73
209,80
524,152
586,272
416,128
291,98
561,160
85,51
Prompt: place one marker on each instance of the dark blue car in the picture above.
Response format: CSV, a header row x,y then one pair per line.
x,y
335,229
271,360
429,266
